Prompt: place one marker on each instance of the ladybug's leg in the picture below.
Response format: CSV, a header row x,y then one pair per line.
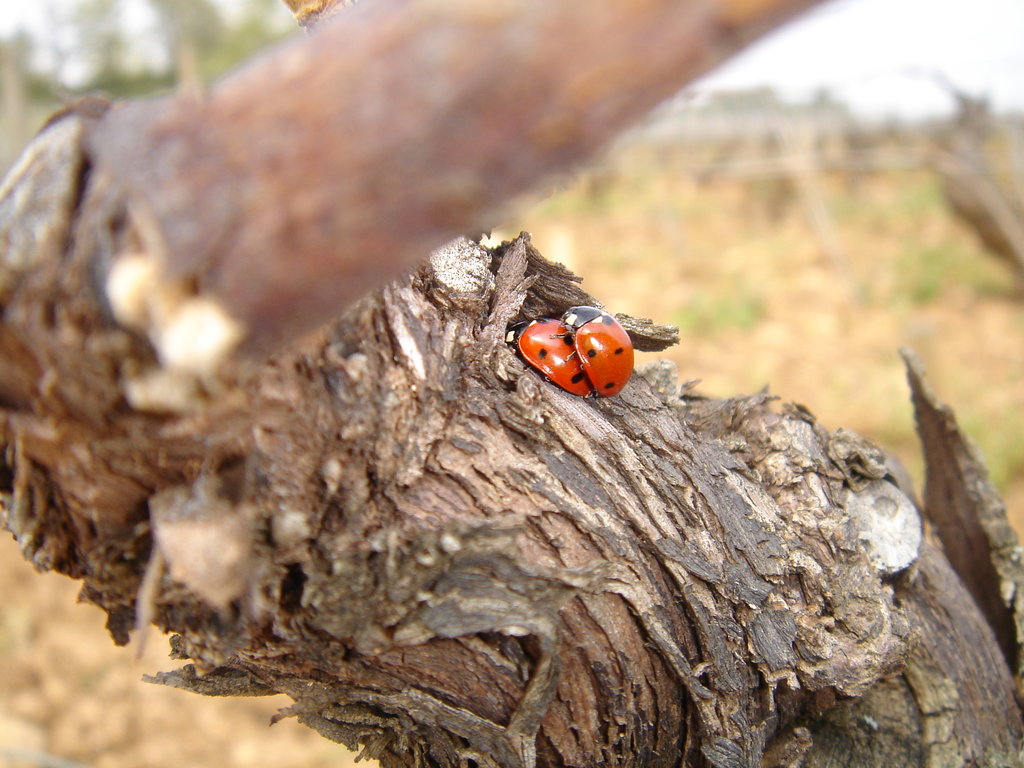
x,y
569,340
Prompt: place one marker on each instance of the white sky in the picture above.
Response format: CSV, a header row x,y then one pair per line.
x,y
875,54
878,55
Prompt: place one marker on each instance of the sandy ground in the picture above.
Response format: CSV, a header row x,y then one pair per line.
x,y
67,691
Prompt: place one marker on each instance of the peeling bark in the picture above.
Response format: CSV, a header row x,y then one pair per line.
x,y
446,558
970,518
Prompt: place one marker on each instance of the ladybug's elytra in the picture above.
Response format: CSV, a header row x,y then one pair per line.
x,y
603,346
586,353
548,346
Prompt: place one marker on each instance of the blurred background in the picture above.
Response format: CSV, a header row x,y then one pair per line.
x,y
850,185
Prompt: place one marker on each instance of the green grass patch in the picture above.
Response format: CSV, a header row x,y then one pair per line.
x,y
921,197
923,272
708,312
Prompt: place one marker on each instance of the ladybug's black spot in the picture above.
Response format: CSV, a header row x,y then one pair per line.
x,y
609,385
567,339
577,378
618,351
591,353
542,354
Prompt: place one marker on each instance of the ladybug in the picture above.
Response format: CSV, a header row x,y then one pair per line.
x,y
603,346
548,346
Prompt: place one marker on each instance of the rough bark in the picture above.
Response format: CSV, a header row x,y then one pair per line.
x,y
442,557
969,519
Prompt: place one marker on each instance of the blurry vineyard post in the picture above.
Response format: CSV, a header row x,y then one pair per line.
x,y
238,401
12,84
796,140
990,206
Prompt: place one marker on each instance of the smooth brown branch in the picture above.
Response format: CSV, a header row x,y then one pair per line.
x,y
336,162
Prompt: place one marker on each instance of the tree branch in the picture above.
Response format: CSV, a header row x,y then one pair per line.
x,y
433,551
270,194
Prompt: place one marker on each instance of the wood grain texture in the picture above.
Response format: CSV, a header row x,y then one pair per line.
x,y
954,703
969,517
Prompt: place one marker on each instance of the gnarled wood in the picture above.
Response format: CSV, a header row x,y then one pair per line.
x,y
446,557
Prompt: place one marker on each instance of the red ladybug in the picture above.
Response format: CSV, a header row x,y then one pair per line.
x,y
548,346
603,346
